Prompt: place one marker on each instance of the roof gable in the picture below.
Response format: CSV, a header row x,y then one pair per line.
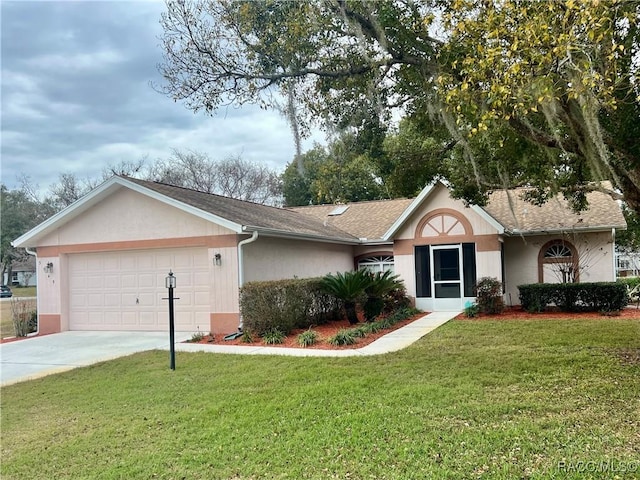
x,y
420,200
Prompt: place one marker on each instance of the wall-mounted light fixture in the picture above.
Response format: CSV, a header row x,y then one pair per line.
x,y
217,259
48,268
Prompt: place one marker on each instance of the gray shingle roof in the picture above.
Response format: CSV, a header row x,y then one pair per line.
x,y
520,216
251,215
369,220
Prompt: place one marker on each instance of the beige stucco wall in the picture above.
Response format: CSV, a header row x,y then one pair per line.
x,y
127,215
224,280
277,258
595,253
127,221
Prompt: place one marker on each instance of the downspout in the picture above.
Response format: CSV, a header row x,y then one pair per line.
x,y
241,244
33,334
615,254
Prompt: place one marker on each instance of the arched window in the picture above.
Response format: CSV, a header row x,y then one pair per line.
x,y
443,222
377,263
558,263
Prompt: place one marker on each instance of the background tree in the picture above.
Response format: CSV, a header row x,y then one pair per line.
x,y
232,177
18,213
339,173
556,79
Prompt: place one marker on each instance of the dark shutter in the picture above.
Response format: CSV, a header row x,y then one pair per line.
x,y
423,272
469,268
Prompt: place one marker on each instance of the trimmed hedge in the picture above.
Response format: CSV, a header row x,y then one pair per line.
x,y
571,297
286,305
631,282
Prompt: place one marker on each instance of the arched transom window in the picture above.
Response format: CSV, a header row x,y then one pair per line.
x,y
377,263
442,224
558,263
558,250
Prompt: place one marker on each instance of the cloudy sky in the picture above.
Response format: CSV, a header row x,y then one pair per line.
x,y
76,96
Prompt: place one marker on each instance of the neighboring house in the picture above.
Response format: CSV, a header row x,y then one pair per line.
x,y
628,264
102,261
23,273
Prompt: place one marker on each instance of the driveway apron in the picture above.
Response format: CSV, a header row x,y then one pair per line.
x,y
39,356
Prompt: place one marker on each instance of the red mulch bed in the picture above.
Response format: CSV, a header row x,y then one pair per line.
x,y
324,333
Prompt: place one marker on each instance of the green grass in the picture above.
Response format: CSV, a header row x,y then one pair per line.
x,y
500,400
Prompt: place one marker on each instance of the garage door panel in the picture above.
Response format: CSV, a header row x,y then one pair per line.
x,y
112,319
148,319
146,280
76,301
201,299
147,299
95,300
95,281
96,318
95,263
127,280
112,300
129,319
111,264
126,290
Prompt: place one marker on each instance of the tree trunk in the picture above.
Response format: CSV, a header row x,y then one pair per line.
x,y
350,311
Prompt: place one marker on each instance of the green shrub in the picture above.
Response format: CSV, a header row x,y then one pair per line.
x,y
197,337
471,310
361,331
247,337
307,338
286,304
489,295
380,285
343,337
631,282
24,317
348,287
594,297
273,336
400,315
371,327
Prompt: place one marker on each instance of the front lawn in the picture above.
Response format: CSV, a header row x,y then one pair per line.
x,y
474,399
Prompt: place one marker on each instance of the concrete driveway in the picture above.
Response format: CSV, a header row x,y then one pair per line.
x,y
40,356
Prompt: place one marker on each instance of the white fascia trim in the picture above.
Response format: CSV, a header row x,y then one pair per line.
x,y
561,231
103,191
488,218
409,211
270,232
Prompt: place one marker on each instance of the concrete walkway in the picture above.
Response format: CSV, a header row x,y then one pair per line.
x,y
391,342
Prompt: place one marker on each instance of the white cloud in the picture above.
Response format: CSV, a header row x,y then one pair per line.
x,y
76,96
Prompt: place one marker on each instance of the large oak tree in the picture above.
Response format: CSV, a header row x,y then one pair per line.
x,y
553,82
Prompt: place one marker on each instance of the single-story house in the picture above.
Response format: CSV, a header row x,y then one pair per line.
x,y
23,273
102,261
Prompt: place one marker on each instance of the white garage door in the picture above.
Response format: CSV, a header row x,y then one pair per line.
x,y
126,290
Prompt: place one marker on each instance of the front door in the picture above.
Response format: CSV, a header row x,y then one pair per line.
x,y
447,284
